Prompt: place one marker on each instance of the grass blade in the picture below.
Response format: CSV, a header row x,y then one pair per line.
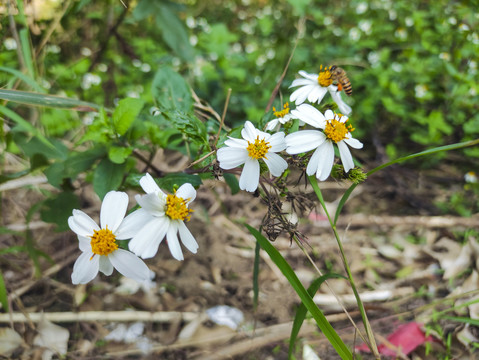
x,y
36,99
25,78
338,344
302,311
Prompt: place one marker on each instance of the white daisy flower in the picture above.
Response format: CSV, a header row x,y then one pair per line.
x,y
167,214
254,146
313,87
100,251
282,117
334,129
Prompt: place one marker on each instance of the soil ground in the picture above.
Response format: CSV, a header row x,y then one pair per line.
x,y
395,239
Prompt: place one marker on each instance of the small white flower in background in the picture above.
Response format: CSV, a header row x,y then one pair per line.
x,y
335,131
470,177
282,117
85,51
420,91
254,146
313,87
90,79
167,215
100,251
10,44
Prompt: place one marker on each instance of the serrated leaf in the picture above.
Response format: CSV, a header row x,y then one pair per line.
x,y
171,91
107,177
126,112
118,154
188,125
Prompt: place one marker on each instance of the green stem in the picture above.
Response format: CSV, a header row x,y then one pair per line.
x,y
367,326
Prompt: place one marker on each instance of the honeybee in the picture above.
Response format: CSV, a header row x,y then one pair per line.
x,y
340,76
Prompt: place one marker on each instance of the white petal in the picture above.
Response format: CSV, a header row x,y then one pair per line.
x,y
187,238
173,243
302,82
84,269
249,132
329,114
105,265
271,125
152,204
84,243
129,265
342,106
345,154
310,76
300,95
230,158
276,164
304,141
354,143
186,192
236,143
132,224
148,184
249,178
310,115
113,210
82,224
313,163
145,243
277,142
326,161
317,94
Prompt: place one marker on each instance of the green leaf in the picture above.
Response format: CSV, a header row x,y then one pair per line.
x,y
126,112
25,78
302,311
23,124
171,91
3,293
118,154
35,146
328,331
189,125
172,181
58,209
232,182
107,177
36,99
173,31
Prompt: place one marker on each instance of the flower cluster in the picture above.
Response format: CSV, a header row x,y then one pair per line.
x,y
330,128
159,216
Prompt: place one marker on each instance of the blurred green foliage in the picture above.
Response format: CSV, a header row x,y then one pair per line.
x,y
412,65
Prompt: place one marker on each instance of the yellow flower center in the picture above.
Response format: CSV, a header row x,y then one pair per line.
x,y
258,149
337,130
324,77
281,113
103,242
176,208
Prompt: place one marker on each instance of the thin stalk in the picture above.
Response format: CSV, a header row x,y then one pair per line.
x,y
367,325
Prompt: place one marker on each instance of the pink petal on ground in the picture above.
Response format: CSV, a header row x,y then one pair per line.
x,y
406,338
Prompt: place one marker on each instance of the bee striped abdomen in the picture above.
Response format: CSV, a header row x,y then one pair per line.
x,y
339,75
